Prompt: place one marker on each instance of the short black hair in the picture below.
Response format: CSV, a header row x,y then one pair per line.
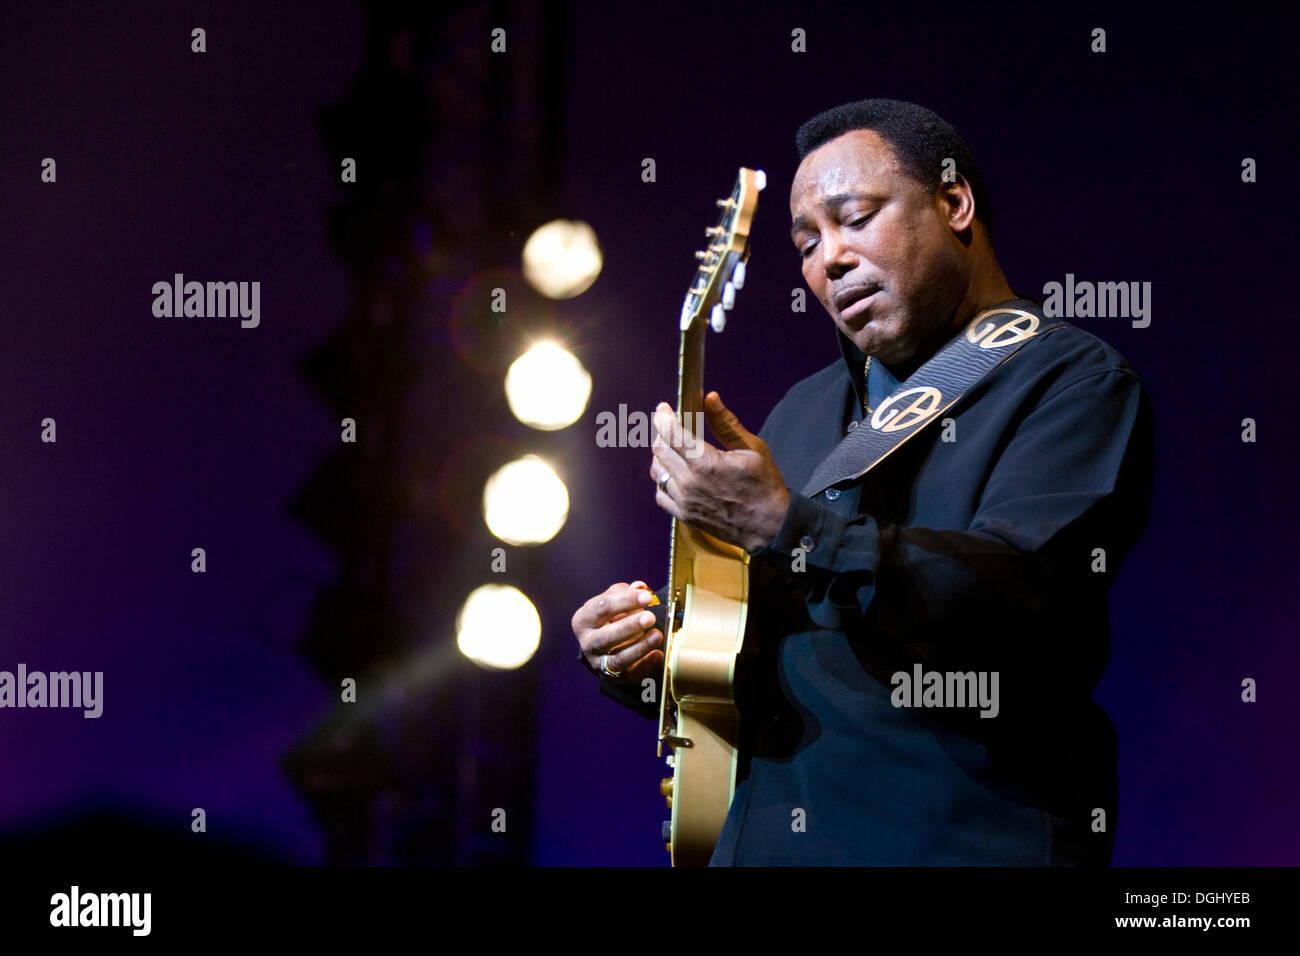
x,y
920,138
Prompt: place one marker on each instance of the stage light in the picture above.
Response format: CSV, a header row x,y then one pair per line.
x,y
547,387
525,502
498,627
562,258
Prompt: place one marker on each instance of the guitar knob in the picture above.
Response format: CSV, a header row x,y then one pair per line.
x,y
738,275
718,317
667,831
728,296
666,787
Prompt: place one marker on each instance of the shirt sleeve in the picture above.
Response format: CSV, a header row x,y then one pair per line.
x,y
1075,476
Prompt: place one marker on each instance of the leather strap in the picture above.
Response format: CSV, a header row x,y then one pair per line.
x,y
991,338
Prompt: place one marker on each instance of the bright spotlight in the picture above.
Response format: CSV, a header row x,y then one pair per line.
x,y
498,627
562,258
525,502
547,387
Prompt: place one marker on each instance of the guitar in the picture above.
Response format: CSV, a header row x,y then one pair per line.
x,y
708,579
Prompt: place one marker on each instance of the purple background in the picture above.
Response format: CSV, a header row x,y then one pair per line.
x,y
1123,166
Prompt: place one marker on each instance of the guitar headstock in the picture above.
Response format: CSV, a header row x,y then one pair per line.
x,y
721,269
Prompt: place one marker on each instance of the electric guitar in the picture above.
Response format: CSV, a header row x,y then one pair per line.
x,y
708,579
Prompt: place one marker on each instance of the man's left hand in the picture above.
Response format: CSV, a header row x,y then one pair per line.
x,y
735,493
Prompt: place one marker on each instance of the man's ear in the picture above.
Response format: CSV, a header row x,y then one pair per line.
x,y
958,203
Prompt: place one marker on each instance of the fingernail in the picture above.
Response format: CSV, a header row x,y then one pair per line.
x,y
646,619
654,638
645,597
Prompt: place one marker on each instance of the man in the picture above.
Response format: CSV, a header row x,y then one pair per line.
x,y
984,545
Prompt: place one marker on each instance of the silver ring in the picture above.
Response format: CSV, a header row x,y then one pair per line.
x,y
663,481
604,667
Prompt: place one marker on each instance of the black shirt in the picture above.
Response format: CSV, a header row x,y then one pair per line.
x,y
984,544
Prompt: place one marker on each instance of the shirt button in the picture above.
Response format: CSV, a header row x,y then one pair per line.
x,y
832,494
807,543
852,425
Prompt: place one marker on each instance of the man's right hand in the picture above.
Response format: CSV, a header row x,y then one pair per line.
x,y
614,623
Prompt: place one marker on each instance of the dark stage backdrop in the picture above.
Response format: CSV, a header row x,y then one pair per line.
x,y
172,434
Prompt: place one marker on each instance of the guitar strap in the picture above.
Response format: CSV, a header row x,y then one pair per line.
x,y
991,338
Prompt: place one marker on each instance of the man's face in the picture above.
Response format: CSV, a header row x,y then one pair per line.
x,y
878,249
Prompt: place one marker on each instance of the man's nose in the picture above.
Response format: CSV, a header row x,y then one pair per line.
x,y
837,258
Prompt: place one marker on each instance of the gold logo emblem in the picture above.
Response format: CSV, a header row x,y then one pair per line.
x,y
988,334
920,409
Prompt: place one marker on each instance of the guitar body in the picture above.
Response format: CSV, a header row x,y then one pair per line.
x,y
708,579
701,680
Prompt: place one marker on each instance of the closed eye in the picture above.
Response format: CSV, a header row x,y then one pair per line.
x,y
857,223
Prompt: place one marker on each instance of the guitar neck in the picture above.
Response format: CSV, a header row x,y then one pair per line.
x,y
690,378
690,413
712,292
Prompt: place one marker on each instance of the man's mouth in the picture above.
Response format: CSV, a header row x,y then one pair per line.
x,y
853,301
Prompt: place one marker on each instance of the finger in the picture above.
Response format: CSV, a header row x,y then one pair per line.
x,y
613,636
652,665
670,435
685,435
624,659
666,457
601,609
672,432
622,615
674,470
645,596
660,468
665,501
726,426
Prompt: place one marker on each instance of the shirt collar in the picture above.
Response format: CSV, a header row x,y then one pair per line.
x,y
855,360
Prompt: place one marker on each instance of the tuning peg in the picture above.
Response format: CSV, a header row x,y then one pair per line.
x,y
728,296
718,318
713,231
738,275
726,203
700,255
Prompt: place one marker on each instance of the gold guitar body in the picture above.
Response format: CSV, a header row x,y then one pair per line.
x,y
708,581
700,680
